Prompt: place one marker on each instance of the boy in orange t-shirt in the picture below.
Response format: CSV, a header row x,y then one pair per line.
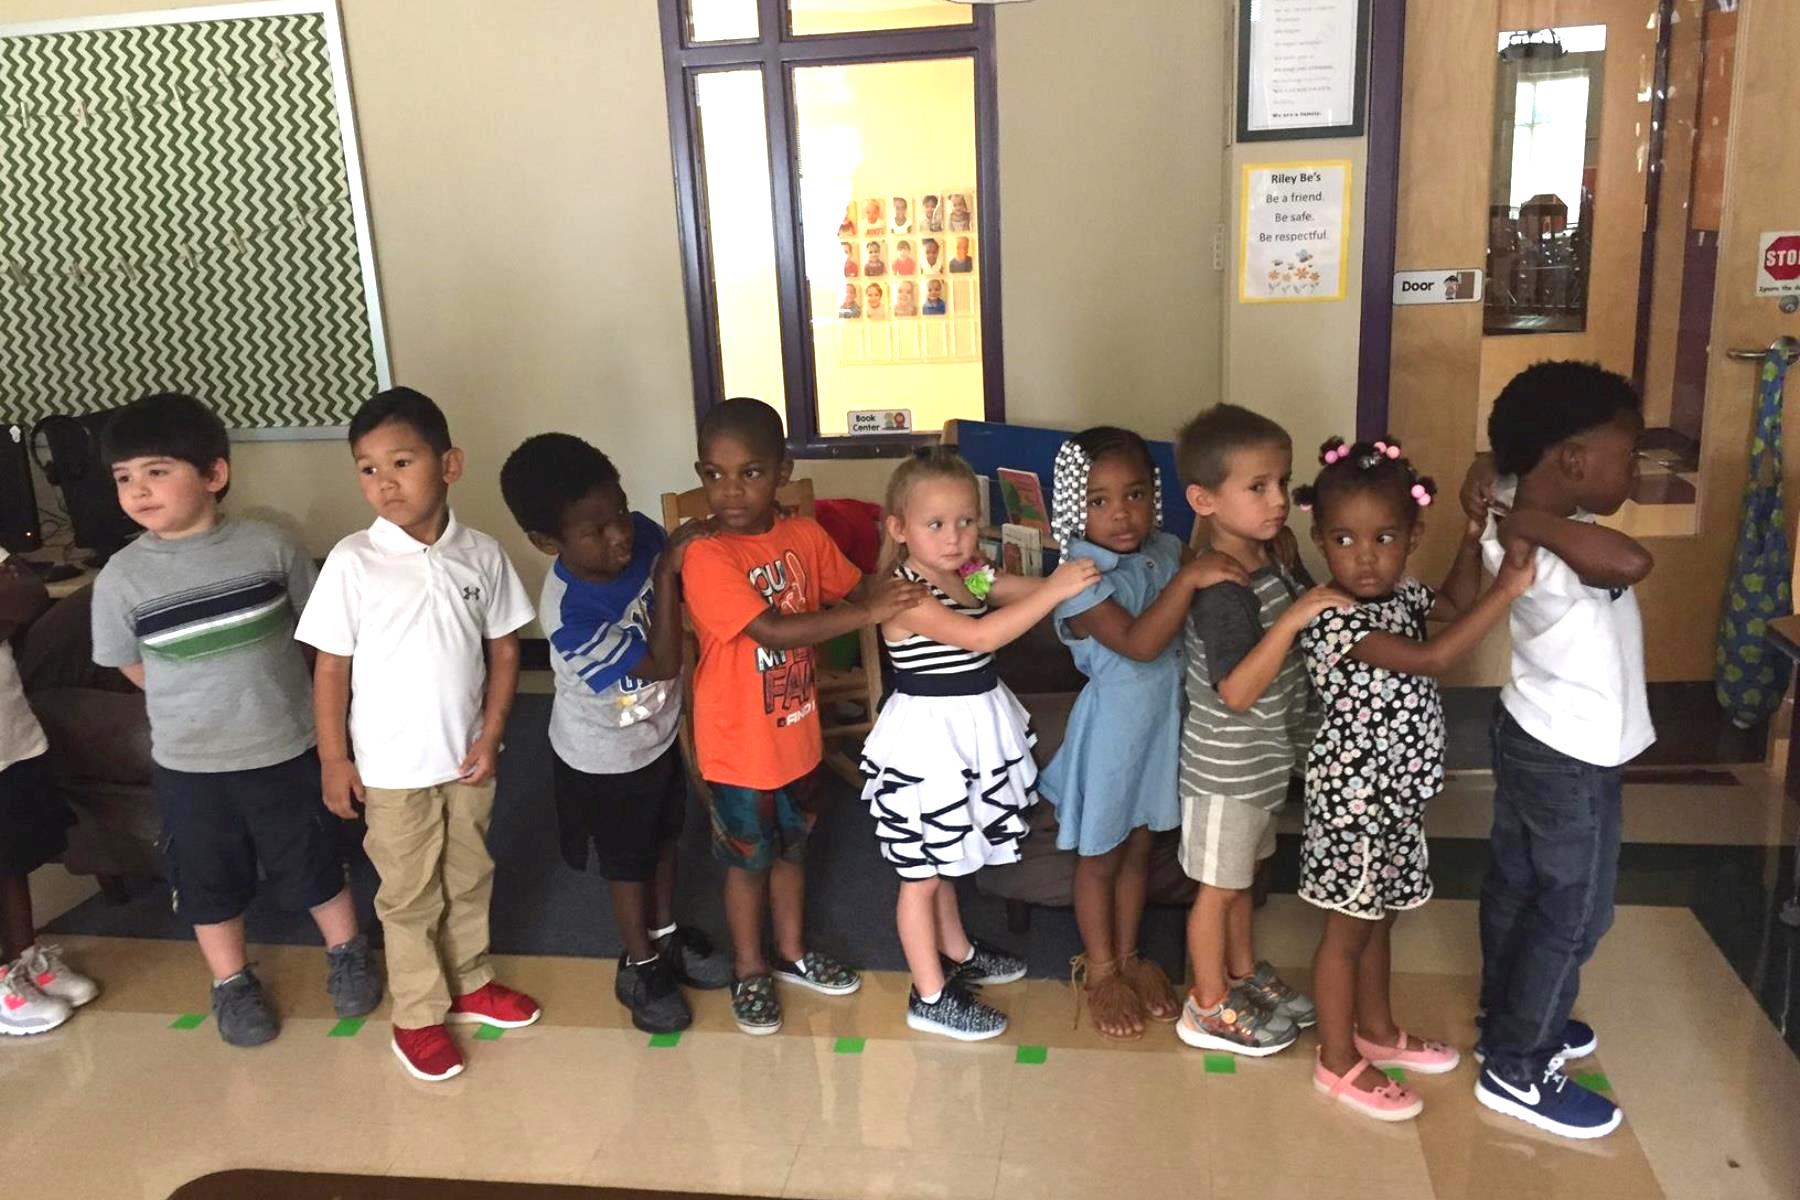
x,y
755,592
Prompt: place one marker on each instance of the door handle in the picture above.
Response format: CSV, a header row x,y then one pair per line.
x,y
1787,347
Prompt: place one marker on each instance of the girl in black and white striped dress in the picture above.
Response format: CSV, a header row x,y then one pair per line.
x,y
948,765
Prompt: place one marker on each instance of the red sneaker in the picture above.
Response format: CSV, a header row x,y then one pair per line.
x,y
497,1005
427,1053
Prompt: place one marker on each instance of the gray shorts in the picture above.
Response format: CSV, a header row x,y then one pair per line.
x,y
1222,840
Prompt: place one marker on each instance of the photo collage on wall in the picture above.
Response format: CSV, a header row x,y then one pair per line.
x,y
911,289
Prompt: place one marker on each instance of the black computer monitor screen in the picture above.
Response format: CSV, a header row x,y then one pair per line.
x,y
71,461
20,529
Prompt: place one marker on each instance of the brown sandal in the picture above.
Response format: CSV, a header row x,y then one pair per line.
x,y
1151,983
1110,997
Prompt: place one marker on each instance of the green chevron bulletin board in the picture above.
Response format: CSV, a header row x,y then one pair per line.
x,y
181,209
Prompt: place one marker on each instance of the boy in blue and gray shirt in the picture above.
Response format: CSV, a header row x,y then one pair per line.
x,y
199,611
611,609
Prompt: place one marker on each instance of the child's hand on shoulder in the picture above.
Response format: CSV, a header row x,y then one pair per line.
x,y
1477,495
1519,571
1317,601
890,597
675,553
1073,576
1216,567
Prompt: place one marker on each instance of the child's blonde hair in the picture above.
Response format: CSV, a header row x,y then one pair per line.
x,y
931,462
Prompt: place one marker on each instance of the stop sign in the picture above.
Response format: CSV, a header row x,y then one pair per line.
x,y
1782,258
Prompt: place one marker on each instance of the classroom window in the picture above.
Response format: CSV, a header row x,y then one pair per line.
x,y
840,243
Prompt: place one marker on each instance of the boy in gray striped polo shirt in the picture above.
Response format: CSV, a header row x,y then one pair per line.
x,y
1247,724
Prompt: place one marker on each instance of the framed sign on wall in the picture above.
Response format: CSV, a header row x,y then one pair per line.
x,y
183,210
1303,68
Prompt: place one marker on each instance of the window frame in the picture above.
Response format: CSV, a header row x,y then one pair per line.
x,y
777,54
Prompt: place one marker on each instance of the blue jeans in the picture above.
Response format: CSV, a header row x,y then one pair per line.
x,y
1553,862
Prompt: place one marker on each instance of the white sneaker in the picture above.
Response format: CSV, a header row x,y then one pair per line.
x,y
54,978
23,1009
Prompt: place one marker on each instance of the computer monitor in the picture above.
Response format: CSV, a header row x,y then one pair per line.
x,y
20,529
72,464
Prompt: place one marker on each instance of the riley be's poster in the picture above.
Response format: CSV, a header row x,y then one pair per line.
x,y
1295,223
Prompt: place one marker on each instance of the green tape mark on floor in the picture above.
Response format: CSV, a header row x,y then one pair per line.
x,y
1594,1081
663,1041
848,1045
489,1033
348,1027
1397,1074
188,1021
1032,1056
1221,1064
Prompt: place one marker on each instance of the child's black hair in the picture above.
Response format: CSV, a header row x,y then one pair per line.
x,y
548,473
750,421
1377,467
1108,441
167,425
1550,402
1203,448
409,407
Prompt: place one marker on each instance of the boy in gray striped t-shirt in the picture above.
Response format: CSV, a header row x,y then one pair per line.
x,y
1247,724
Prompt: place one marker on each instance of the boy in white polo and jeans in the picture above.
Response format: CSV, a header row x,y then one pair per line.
x,y
415,620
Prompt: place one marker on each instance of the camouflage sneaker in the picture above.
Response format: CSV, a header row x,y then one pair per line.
x,y
755,1006
1236,1024
819,972
985,964
1273,995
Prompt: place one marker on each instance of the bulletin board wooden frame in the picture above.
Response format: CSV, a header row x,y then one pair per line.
x,y
186,212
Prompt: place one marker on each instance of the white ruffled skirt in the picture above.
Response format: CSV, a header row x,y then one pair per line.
x,y
948,780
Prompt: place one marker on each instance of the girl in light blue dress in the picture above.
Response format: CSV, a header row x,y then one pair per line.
x,y
1113,780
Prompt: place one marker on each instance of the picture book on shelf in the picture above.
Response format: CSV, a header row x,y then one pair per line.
x,y
1021,550
1023,495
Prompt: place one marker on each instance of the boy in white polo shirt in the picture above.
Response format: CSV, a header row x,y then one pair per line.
x,y
415,620
1573,714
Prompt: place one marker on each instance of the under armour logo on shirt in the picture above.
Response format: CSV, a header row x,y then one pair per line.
x,y
472,593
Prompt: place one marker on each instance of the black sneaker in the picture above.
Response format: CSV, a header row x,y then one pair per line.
x,y
649,991
351,978
242,1011
987,964
697,963
755,1006
957,1014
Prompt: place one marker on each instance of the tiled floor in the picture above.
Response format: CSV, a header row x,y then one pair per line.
x,y
845,1102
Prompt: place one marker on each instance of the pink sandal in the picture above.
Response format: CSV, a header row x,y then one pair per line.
x,y
1391,1102
1421,1057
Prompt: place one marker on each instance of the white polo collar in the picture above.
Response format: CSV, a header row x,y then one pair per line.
x,y
389,538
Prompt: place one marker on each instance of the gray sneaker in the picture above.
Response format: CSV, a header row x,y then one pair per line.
x,y
1236,1024
1273,994
351,978
755,1006
957,1014
649,990
242,1011
697,963
986,964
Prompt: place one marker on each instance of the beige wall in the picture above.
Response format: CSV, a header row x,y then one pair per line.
x,y
518,173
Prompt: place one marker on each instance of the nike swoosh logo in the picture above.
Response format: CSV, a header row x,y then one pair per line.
x,y
1529,1098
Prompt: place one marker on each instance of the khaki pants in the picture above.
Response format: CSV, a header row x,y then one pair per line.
x,y
430,847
